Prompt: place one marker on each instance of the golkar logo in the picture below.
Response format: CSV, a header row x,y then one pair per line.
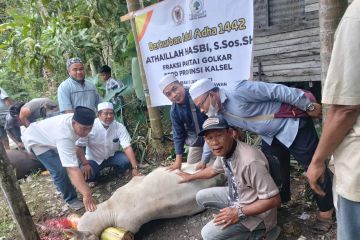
x,y
197,9
178,15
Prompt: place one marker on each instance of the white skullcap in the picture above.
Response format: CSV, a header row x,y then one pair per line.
x,y
200,87
165,81
105,105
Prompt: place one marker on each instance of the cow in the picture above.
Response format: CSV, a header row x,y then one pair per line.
x,y
23,162
157,195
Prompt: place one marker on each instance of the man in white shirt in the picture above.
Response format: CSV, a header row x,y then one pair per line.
x,y
53,142
103,146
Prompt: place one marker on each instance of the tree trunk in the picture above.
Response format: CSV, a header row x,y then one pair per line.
x,y
330,13
92,68
15,199
48,75
154,114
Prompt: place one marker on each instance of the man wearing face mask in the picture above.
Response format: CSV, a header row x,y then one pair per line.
x,y
186,122
102,146
76,91
256,106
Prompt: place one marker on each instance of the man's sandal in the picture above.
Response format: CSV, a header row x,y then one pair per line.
x,y
322,225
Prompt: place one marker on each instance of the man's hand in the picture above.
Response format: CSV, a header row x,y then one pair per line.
x,y
20,145
89,202
317,112
315,173
201,165
174,166
87,171
185,177
226,217
135,172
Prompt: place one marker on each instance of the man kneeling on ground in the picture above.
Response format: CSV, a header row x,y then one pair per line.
x,y
248,205
102,146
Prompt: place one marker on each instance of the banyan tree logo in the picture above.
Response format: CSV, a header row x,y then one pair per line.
x,y
178,15
197,9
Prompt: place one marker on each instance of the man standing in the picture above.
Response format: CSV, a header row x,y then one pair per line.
x,y
102,146
111,83
76,91
341,133
5,102
186,122
53,143
248,205
253,105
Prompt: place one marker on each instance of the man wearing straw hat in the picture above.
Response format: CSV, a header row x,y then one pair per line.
x,y
103,146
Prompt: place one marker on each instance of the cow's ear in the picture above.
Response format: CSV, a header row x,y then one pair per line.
x,y
74,234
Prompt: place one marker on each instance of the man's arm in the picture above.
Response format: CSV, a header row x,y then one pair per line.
x,y
255,91
24,115
19,144
87,170
258,177
179,135
64,99
205,157
129,152
206,173
78,181
339,121
229,215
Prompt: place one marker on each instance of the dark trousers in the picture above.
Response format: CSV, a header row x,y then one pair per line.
x,y
302,149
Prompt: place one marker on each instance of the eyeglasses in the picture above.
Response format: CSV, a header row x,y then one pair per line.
x,y
200,105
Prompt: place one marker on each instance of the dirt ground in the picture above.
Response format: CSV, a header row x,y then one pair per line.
x,y
44,204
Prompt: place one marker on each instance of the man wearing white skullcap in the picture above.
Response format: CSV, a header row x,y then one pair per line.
x,y
269,110
186,122
102,146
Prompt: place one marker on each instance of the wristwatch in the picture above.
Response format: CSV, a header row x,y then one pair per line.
x,y
136,167
241,214
310,107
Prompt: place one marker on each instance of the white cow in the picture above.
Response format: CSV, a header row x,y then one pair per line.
x,y
155,196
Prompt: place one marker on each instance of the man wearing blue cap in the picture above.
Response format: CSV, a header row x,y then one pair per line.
x,y
76,91
53,142
247,206
282,117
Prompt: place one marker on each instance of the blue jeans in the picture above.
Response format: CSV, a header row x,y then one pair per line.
x,y
119,160
217,198
51,161
348,220
302,149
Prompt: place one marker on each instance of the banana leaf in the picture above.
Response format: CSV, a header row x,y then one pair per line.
x,y
136,76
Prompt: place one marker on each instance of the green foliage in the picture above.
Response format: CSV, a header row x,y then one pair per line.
x,y
38,35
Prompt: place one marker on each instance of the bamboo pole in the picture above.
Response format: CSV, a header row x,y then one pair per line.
x,y
154,114
12,192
